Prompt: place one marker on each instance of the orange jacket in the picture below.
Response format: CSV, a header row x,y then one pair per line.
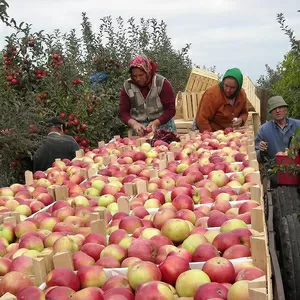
x,y
215,111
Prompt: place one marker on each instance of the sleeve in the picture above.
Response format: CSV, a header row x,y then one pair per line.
x,y
124,107
244,111
259,137
167,98
206,111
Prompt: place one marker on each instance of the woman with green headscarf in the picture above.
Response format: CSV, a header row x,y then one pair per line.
x,y
223,105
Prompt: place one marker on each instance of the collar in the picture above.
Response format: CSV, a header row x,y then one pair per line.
x,y
54,132
287,123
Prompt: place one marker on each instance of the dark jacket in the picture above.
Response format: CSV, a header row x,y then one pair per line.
x,y
54,146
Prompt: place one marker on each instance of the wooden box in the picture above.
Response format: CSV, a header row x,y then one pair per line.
x,y
200,80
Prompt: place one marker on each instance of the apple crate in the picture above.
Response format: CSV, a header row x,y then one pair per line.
x,y
285,178
200,80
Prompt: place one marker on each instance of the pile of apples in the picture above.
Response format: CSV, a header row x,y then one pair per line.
x,y
196,213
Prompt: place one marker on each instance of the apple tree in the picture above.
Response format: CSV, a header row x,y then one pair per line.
x,y
77,76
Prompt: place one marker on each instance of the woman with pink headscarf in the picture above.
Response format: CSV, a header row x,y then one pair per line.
x,y
147,100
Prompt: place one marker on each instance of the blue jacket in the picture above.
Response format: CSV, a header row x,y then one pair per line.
x,y
276,139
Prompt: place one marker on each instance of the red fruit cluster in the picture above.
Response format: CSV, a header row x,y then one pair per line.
x,y
73,123
77,81
40,73
12,79
57,60
42,96
9,54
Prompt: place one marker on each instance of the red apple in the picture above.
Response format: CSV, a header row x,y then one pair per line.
x,y
172,267
219,269
211,290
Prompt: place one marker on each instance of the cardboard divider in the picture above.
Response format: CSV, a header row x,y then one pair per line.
x,y
153,173
10,218
162,164
51,191
170,156
63,260
123,204
61,192
98,226
48,260
141,186
8,296
91,172
28,177
83,173
130,188
101,144
79,153
39,270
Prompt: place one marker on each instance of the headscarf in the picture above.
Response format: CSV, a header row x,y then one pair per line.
x,y
237,75
145,64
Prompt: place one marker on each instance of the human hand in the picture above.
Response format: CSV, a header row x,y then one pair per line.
x,y
237,122
153,125
263,146
138,128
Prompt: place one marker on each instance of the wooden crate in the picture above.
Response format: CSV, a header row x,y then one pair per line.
x,y
253,100
183,126
187,105
200,80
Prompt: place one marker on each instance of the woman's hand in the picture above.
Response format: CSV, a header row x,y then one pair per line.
x,y
137,127
237,122
154,125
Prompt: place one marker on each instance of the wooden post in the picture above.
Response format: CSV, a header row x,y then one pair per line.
x,y
263,95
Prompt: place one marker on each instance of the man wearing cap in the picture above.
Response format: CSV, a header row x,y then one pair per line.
x,y
56,145
274,136
223,105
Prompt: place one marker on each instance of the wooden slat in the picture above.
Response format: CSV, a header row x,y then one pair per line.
x,y
201,80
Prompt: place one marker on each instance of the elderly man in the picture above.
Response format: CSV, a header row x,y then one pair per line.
x,y
223,105
274,136
56,145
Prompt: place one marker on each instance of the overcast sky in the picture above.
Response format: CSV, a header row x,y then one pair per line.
x,y
225,33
